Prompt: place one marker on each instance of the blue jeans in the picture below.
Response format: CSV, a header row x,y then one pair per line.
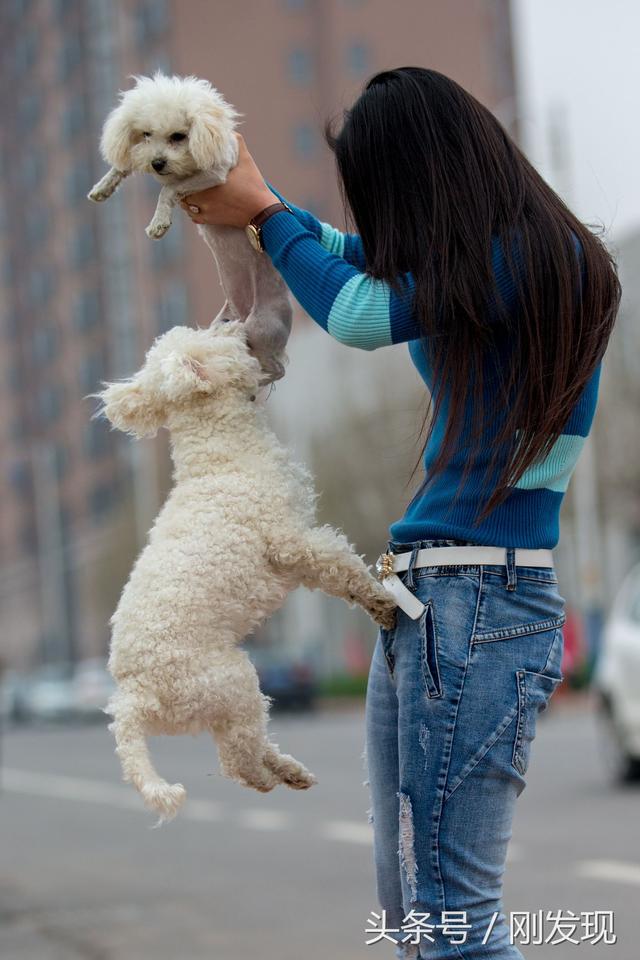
x,y
451,709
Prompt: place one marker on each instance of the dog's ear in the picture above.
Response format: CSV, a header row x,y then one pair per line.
x,y
115,142
208,367
209,137
185,374
130,407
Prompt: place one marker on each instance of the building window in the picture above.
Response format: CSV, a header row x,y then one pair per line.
x,y
19,428
29,111
60,460
172,306
305,143
7,269
169,248
73,117
86,310
82,248
43,344
100,500
300,67
70,55
96,438
49,403
314,207
151,19
32,169
18,9
77,182
41,286
21,479
11,323
91,371
29,537
37,225
25,51
358,58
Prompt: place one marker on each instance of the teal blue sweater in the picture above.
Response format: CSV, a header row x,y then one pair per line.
x,y
325,270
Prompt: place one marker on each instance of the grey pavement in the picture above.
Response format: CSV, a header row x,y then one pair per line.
x,y
282,876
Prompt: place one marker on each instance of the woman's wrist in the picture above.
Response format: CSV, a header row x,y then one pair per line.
x,y
259,202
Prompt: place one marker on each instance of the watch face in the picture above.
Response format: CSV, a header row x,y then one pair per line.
x,y
253,236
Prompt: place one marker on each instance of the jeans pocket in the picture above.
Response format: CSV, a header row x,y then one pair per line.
x,y
534,693
535,607
429,651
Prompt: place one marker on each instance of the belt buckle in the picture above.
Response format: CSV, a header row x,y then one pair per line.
x,y
384,565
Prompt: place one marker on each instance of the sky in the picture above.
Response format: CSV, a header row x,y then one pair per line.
x,y
578,73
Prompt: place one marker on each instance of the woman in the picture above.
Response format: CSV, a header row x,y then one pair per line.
x,y
506,302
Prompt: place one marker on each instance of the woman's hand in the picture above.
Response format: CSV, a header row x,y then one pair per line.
x,y
235,202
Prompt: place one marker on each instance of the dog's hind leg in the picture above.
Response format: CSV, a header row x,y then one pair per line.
x,y
131,746
241,749
289,771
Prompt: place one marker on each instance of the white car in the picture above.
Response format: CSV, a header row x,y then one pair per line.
x,y
91,687
616,682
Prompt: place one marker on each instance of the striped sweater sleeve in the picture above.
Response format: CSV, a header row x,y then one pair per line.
x,y
351,306
345,245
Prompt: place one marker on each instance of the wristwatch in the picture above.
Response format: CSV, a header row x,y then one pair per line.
x,y
253,229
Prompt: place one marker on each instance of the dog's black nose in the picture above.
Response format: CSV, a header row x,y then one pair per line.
x,y
158,164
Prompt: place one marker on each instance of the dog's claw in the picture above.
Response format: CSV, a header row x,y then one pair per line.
x,y
156,230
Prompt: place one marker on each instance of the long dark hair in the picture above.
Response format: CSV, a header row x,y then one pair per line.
x,y
430,176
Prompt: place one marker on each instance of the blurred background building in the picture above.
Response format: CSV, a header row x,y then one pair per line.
x,y
84,292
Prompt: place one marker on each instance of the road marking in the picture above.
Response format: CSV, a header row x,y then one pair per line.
x,y
58,787
614,870
202,811
514,853
257,819
348,831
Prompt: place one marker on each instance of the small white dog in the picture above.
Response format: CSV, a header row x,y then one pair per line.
x,y
235,535
181,131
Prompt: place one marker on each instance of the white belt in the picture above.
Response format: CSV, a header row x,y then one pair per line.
x,y
389,564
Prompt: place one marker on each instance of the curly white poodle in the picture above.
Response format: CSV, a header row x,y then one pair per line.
x,y
181,131
235,535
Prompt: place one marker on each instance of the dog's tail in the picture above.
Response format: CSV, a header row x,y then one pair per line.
x,y
163,798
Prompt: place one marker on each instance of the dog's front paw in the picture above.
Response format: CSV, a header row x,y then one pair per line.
x,y
157,228
98,194
383,611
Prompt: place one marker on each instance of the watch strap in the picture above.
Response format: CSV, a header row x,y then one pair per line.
x,y
260,218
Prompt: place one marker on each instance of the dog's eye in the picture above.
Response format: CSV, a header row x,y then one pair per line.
x,y
145,133
177,137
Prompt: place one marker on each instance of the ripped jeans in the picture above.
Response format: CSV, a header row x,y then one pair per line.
x,y
451,709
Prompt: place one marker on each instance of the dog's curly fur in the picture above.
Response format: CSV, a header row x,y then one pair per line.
x,y
181,131
235,535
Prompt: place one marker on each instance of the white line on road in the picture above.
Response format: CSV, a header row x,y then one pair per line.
x,y
264,819
615,870
348,831
58,787
203,811
514,853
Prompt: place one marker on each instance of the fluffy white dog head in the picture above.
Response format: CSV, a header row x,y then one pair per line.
x,y
183,367
171,127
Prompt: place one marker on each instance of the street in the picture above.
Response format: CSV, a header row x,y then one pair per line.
x,y
280,876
